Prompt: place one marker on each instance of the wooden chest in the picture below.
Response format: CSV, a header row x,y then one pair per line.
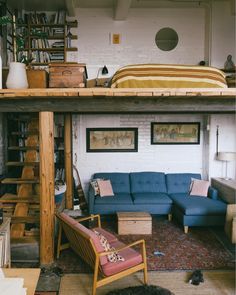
x,y
134,223
67,75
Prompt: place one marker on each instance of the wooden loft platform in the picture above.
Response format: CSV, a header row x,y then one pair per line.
x,y
92,101
107,100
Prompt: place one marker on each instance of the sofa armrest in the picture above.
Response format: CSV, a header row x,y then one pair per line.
x,y
91,198
213,193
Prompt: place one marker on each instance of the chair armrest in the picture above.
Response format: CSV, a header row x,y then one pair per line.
x,y
213,193
122,248
91,217
91,198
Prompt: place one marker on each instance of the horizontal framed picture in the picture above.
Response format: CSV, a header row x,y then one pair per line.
x,y
175,133
112,139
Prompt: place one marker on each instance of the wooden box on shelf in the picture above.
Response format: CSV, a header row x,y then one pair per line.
x,y
67,75
134,223
37,78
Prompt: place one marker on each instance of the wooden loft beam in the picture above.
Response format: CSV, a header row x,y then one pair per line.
x,y
46,144
68,161
122,9
126,100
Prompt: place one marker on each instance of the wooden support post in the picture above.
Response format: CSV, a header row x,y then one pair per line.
x,y
68,161
46,141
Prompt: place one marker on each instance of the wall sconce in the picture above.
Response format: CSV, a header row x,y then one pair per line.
x,y
104,71
226,157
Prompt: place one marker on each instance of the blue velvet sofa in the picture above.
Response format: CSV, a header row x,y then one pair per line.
x,y
159,193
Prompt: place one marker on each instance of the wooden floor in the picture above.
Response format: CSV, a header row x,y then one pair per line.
x,y
216,283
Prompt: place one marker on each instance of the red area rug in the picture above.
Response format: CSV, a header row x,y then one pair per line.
x,y
198,249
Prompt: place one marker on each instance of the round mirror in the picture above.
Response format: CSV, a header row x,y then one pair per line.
x,y
166,39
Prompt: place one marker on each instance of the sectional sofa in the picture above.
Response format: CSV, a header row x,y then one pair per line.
x,y
159,193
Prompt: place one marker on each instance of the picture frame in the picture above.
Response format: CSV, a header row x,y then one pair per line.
x,y
111,140
175,132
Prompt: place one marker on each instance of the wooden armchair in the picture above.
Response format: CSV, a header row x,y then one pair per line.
x,y
85,242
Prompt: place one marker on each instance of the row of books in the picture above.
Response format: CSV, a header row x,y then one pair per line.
x,y
46,57
42,18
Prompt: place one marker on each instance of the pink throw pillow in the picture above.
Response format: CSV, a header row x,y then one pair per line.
x,y
105,188
199,187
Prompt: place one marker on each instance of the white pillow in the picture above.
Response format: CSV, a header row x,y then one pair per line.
x,y
199,187
105,188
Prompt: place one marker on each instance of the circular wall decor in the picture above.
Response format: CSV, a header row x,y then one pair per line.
x,y
166,39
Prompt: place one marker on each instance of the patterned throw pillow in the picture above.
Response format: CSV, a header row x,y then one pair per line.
x,y
113,257
94,184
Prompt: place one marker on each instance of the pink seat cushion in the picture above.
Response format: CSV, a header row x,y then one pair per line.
x,y
131,257
109,236
95,239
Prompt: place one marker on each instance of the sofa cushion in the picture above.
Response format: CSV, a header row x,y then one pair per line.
x,y
119,181
68,219
180,182
151,198
147,182
116,199
131,258
196,205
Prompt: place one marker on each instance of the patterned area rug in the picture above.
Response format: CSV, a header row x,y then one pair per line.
x,y
174,250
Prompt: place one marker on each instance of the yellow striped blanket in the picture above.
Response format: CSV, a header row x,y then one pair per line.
x,y
168,76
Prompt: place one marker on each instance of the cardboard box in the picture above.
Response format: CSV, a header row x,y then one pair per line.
x,y
37,78
67,75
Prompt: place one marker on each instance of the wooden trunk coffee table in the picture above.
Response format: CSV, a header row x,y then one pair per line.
x,y
134,223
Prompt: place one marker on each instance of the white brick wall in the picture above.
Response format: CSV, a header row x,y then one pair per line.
x,y
167,158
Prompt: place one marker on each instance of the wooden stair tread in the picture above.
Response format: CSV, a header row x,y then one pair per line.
x,y
26,133
23,148
24,219
11,198
19,180
25,239
22,163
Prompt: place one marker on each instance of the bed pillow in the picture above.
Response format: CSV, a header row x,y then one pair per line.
x,y
199,187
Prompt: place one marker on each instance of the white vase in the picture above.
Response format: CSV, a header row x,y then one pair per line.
x,y
17,77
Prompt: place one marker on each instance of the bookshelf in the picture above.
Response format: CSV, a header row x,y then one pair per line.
x,y
45,38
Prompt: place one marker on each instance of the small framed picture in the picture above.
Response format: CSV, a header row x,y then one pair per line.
x,y
175,133
112,139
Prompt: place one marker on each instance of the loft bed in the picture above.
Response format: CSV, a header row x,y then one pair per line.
x,y
148,88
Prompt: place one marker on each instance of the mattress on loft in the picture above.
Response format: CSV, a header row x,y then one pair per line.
x,y
168,76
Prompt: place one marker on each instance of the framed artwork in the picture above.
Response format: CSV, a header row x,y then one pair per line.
x,y
175,133
112,139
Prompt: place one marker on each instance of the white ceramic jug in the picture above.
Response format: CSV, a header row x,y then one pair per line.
x,y
17,77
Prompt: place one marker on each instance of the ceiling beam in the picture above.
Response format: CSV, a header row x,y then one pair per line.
x,y
122,9
70,6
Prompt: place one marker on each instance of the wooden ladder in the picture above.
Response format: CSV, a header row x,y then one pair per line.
x,y
23,207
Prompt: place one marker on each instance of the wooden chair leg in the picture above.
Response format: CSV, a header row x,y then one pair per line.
x,y
59,241
95,276
185,229
145,275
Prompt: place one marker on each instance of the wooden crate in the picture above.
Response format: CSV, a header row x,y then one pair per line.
x,y
134,223
67,75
